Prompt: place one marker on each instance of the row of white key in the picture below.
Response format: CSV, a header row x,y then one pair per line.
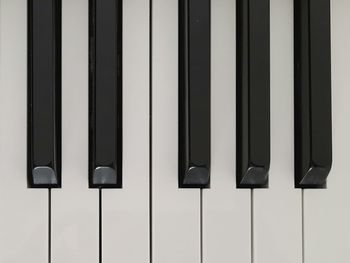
x,y
221,224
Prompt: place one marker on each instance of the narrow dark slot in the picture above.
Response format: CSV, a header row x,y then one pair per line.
x,y
201,225
252,225
150,131
100,225
302,226
49,225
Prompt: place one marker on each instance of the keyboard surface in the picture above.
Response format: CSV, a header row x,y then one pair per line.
x,y
179,134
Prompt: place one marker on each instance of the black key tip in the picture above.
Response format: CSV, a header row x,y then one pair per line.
x,y
254,177
104,176
316,177
196,177
44,176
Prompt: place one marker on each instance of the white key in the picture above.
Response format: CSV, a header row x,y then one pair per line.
x,y
176,212
226,209
327,211
24,212
125,218
277,213
75,208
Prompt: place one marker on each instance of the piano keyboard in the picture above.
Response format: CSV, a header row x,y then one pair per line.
x,y
162,131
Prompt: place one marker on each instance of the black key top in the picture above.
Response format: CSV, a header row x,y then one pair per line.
x,y
194,93
253,93
44,94
105,94
312,93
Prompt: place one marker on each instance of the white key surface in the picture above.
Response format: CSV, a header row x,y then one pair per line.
x,y
125,213
175,212
226,209
288,226
277,213
75,207
327,211
24,212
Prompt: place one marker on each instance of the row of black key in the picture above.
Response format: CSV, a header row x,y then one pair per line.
x,y
313,145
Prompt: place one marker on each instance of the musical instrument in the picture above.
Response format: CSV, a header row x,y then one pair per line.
x,y
162,131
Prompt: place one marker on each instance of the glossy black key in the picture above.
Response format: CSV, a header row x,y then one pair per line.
x,y
44,94
253,93
194,93
105,94
312,93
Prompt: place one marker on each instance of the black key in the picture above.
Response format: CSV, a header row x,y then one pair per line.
x,y
312,93
44,94
194,93
105,94
253,93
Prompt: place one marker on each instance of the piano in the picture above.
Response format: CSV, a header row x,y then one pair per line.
x,y
168,131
